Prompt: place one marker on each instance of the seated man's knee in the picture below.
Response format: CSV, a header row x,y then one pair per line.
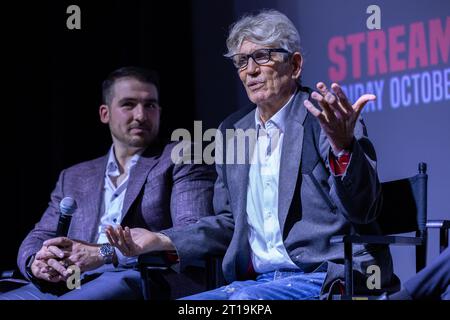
x,y
246,293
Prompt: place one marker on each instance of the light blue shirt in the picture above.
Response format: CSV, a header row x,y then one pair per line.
x,y
265,238
113,197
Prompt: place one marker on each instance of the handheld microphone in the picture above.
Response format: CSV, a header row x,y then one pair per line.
x,y
67,206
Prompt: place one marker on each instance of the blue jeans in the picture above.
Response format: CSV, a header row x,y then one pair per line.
x,y
276,285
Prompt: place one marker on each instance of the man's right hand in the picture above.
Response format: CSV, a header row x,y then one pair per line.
x,y
47,264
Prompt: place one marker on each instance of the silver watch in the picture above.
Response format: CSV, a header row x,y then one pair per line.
x,y
106,251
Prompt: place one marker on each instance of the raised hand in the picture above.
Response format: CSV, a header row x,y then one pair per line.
x,y
338,116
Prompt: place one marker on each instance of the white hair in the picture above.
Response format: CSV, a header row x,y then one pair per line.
x,y
267,28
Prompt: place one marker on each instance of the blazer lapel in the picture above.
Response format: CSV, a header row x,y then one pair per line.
x,y
291,156
93,199
238,172
137,178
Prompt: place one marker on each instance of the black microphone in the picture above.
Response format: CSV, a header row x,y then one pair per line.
x,y
67,206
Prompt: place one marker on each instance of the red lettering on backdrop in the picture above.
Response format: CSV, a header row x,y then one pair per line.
x,y
417,45
336,48
355,41
397,49
439,38
376,52
396,46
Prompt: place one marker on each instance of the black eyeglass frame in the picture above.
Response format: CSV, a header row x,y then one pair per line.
x,y
252,55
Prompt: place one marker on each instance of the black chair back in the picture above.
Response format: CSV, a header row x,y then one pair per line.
x,y
404,207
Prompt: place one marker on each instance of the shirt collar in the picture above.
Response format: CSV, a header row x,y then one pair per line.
x,y
278,119
112,168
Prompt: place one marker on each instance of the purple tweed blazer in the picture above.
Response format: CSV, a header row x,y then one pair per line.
x,y
160,195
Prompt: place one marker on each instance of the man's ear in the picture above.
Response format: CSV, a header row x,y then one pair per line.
x,y
104,113
297,63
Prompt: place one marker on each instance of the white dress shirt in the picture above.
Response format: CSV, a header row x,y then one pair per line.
x,y
265,238
113,195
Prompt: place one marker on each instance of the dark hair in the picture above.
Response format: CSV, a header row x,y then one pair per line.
x,y
140,74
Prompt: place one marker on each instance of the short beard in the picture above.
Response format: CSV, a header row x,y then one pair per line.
x,y
142,143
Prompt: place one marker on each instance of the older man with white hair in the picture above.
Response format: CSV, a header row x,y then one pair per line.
x,y
310,175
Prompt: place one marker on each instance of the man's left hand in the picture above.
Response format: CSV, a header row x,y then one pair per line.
x,y
136,241
338,117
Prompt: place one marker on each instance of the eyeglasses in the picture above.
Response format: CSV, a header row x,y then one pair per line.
x,y
260,56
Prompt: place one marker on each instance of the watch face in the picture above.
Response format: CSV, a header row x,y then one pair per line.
x,y
106,250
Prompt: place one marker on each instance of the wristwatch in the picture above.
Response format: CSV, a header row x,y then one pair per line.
x,y
28,266
106,251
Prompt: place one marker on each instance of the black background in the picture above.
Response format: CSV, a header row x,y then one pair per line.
x,y
52,87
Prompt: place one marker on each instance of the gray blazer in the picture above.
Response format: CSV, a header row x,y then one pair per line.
x,y
307,220
160,195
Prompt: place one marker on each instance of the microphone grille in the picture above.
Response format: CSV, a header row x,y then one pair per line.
x,y
67,206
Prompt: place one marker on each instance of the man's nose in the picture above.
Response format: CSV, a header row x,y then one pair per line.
x,y
252,66
139,113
